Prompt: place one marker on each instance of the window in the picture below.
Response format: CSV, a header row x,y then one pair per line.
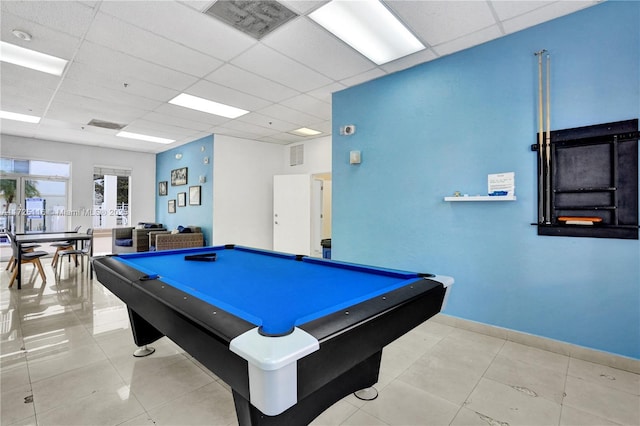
x,y
33,195
111,197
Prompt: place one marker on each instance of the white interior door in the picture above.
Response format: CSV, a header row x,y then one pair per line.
x,y
292,214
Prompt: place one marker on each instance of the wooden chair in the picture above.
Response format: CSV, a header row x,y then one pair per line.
x,y
34,258
26,248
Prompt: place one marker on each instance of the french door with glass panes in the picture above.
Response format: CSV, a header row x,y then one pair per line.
x,y
33,204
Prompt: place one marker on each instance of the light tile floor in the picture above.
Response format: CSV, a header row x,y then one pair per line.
x,y
66,359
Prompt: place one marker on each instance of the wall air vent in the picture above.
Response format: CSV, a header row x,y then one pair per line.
x,y
106,124
296,155
256,18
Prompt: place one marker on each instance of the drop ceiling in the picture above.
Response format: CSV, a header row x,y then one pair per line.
x,y
129,58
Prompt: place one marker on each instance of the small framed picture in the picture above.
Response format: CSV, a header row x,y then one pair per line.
x,y
179,176
194,195
182,199
172,206
162,188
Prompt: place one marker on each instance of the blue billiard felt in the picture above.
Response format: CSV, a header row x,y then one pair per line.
x,y
271,290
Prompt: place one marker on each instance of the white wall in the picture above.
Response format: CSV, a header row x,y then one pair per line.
x,y
317,157
243,173
83,158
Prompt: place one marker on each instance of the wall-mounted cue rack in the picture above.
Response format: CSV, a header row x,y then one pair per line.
x,y
590,188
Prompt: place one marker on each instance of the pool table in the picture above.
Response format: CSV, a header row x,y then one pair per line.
x,y
290,335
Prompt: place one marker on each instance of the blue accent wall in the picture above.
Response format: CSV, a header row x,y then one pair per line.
x,y
193,155
443,126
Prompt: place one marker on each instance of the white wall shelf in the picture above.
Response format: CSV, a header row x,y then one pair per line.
x,y
483,198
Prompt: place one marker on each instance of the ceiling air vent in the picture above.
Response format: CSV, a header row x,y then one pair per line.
x,y
256,18
106,124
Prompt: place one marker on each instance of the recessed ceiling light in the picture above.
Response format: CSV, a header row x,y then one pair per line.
x,y
369,27
205,105
142,137
31,59
304,131
19,117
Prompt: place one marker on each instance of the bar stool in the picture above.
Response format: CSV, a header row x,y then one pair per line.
x,y
31,257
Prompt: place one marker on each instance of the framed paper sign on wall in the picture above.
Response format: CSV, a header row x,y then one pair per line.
x,y
194,195
162,188
171,206
179,176
182,199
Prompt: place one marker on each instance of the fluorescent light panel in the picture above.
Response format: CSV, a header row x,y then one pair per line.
x,y
305,131
19,117
142,137
205,105
369,27
31,59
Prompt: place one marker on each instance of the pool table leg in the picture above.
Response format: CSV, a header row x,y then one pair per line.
x,y
362,375
143,334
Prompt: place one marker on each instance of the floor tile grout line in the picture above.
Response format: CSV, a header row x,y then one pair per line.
x,y
464,403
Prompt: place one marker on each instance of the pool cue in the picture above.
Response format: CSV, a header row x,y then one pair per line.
x,y
548,141
541,174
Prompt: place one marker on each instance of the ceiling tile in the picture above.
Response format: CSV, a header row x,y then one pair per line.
x,y
183,25
511,9
23,83
321,50
364,77
218,93
162,130
118,35
270,122
103,60
293,116
309,105
108,91
279,68
468,40
543,14
436,22
174,120
93,108
191,115
44,39
302,7
325,93
127,84
417,58
248,82
68,17
255,131
283,138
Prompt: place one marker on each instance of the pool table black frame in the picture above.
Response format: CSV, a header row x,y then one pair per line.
x,y
350,345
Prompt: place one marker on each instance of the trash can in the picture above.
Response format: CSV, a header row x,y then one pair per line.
x,y
326,248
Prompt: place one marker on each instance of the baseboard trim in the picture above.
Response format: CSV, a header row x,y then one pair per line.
x,y
575,351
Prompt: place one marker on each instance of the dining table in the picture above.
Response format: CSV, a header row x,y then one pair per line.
x,y
20,239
